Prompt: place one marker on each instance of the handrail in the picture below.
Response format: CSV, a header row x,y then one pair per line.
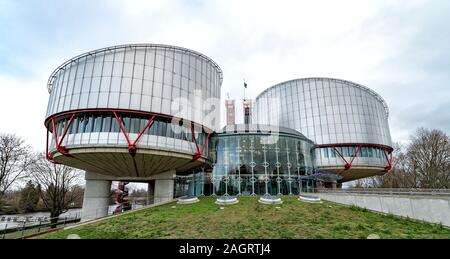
x,y
46,224
391,191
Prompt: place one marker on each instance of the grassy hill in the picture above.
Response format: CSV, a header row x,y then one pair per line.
x,y
249,219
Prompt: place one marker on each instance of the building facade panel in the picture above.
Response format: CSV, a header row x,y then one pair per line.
x,y
330,111
152,78
256,160
149,97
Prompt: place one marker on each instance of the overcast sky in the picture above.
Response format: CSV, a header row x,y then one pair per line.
x,y
400,49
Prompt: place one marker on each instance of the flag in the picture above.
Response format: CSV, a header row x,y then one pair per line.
x,y
245,84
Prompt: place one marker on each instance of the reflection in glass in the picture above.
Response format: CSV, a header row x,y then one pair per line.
x,y
246,164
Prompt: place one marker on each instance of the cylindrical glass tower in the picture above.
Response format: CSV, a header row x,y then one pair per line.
x,y
133,110
348,121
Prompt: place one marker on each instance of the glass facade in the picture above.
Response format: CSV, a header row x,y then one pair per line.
x,y
151,78
366,156
329,111
258,163
103,128
140,79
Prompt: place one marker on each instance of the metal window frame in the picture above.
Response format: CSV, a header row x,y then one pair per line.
x,y
387,150
51,121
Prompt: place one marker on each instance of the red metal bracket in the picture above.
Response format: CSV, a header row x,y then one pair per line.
x,y
51,122
122,128
47,154
147,126
354,156
132,145
67,129
195,139
348,164
199,152
389,160
58,143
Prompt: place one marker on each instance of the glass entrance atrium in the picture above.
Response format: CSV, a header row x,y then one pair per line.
x,y
253,160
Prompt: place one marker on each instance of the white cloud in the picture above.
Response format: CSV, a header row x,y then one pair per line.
x,y
380,44
23,109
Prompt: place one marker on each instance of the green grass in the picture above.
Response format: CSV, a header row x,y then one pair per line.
x,y
249,219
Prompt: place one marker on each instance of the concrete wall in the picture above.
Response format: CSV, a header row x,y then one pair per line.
x,y
164,185
429,209
97,193
151,192
96,197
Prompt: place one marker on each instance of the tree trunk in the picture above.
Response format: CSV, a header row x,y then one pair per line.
x,y
54,217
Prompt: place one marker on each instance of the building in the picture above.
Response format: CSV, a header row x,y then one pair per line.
x,y
251,159
146,113
248,111
348,122
230,108
132,113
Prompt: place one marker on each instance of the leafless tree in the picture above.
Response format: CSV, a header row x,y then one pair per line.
x,y
429,158
395,177
56,183
423,163
15,159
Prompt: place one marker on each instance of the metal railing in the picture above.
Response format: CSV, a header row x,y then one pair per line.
x,y
31,227
388,191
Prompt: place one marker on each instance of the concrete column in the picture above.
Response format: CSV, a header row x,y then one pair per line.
x,y
96,197
150,192
164,184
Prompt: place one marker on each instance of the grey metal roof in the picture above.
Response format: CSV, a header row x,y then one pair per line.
x,y
259,128
365,88
141,45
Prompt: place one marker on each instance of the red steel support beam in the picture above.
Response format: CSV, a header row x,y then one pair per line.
x,y
339,154
132,145
380,146
66,129
122,128
55,134
59,148
47,154
348,164
195,139
200,153
148,125
354,156
68,113
385,149
388,160
206,142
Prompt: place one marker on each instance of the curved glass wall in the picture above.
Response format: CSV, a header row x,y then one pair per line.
x,y
102,128
331,112
255,164
366,156
326,110
145,77
196,184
